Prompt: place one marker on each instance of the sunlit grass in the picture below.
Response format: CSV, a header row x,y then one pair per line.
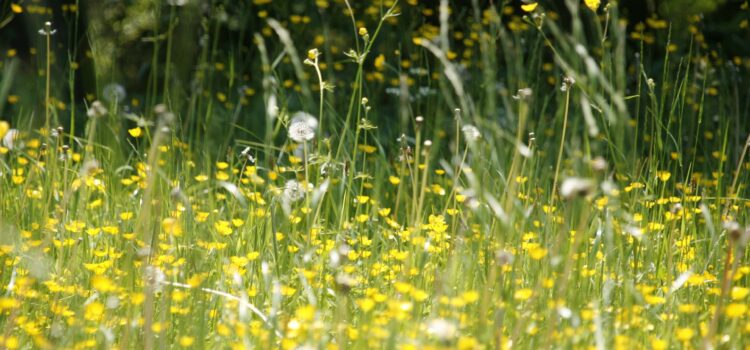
x,y
387,175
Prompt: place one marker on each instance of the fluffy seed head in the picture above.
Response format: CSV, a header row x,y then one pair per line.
x,y
471,133
302,127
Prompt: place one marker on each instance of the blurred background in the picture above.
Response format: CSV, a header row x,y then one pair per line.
x,y
202,54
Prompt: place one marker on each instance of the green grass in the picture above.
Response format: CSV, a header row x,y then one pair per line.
x,y
479,178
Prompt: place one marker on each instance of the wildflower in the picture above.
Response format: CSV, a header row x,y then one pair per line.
x,y
293,191
89,168
736,310
379,62
97,110
366,304
467,343
4,127
186,341
529,6
166,117
523,94
663,176
684,334
599,164
154,278
135,132
567,83
47,29
523,294
302,127
471,133
172,226
345,282
536,252
313,54
113,93
94,311
576,187
659,344
688,308
247,155
394,180
592,4
223,227
739,293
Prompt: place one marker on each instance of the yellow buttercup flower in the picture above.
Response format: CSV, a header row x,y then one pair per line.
x,y
592,4
135,132
529,7
4,127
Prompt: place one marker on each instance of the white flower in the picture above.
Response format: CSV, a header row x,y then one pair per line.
x,y
12,139
47,29
97,110
302,127
154,278
567,83
293,191
523,94
471,133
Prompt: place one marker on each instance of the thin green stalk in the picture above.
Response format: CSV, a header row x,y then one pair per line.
x,y
553,194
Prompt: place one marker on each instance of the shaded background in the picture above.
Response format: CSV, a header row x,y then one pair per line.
x,y
106,46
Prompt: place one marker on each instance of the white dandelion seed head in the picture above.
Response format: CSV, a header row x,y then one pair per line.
x,y
634,231
523,94
471,133
47,29
305,117
302,127
345,282
567,83
599,164
154,278
301,132
114,92
293,191
97,110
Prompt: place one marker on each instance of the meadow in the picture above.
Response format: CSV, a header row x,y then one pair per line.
x,y
380,174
